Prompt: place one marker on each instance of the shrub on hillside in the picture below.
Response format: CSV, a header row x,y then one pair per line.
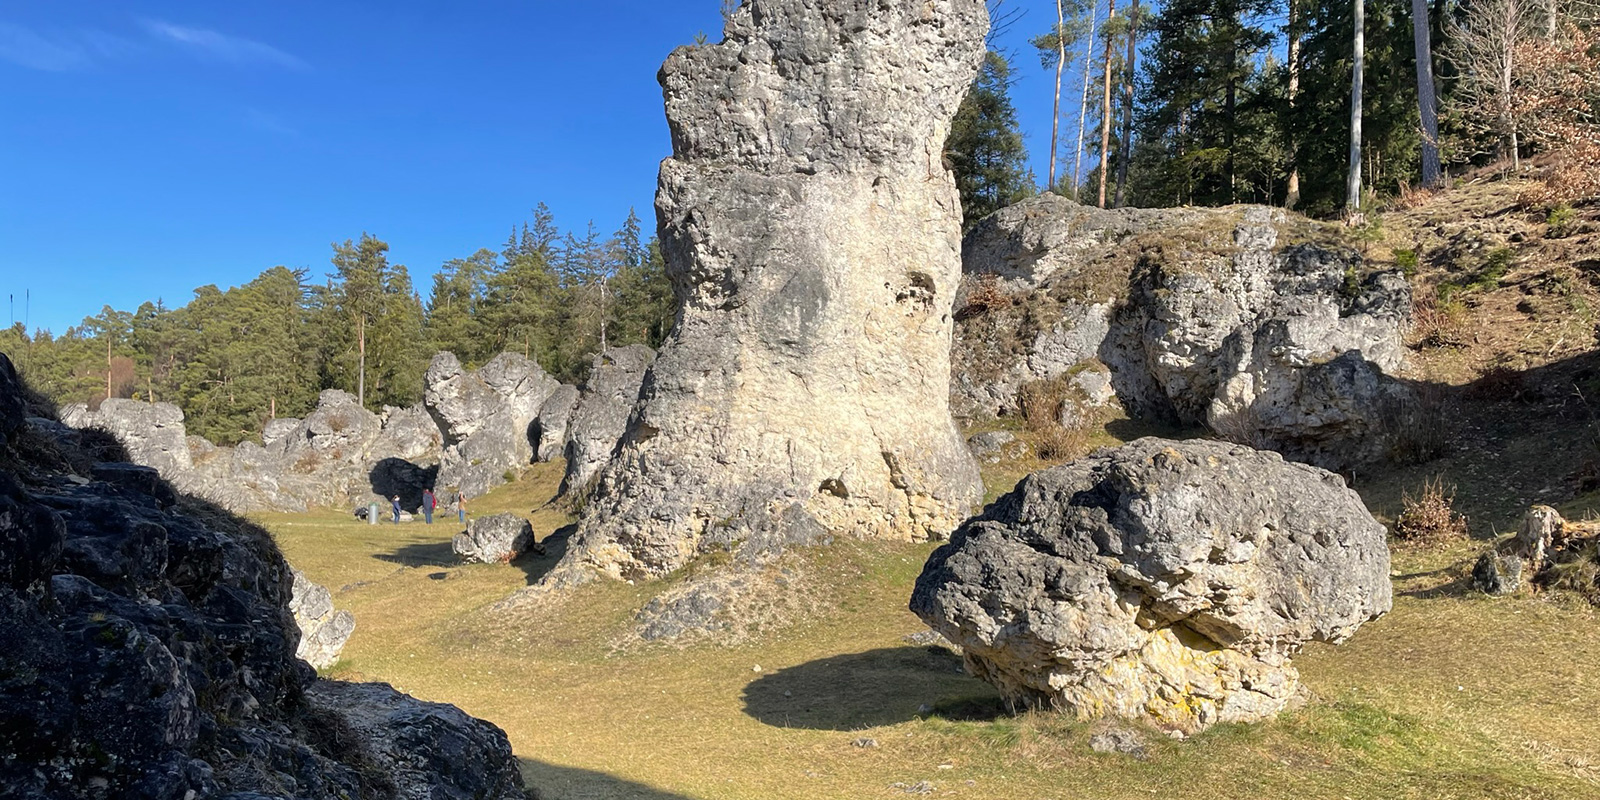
x,y
1429,519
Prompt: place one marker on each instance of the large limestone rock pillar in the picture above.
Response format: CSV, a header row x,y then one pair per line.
x,y
812,233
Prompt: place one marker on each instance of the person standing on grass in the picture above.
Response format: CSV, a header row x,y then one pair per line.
x,y
428,503
461,506
396,504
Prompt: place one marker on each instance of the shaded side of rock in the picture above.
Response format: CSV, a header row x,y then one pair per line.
x,y
600,415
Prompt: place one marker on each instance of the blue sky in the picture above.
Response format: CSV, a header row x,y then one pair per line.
x,y
150,148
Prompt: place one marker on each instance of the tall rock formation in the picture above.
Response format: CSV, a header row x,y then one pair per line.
x,y
812,234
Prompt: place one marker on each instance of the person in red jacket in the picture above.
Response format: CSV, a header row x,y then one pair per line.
x,y
428,504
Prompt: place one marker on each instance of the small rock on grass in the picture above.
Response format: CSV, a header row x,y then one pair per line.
x,y
1120,740
864,742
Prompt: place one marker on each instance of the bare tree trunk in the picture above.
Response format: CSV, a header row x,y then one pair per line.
x,y
1061,63
1508,122
1353,182
1427,103
108,365
361,362
1127,105
1293,197
1105,109
1083,105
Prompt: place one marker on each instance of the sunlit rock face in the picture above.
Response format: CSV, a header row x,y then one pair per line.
x,y
812,233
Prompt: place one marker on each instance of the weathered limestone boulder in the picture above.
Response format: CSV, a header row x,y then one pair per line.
x,y
1170,581
811,230
485,417
153,433
551,424
323,629
494,539
600,416
147,651
1234,318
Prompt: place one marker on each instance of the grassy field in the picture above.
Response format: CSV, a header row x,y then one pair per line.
x,y
1451,696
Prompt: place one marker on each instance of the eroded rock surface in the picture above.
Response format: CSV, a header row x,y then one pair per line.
x,y
599,417
811,230
1234,318
1164,580
147,651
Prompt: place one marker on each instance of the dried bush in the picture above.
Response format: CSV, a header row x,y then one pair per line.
x,y
1579,573
1497,383
1243,427
985,295
1040,403
1429,519
1436,323
1061,442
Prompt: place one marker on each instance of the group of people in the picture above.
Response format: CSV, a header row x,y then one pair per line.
x,y
429,503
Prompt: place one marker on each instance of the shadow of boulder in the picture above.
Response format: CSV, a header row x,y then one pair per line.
x,y
553,781
866,690
397,476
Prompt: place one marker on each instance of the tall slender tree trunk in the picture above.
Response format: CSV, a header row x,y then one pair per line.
x,y
1083,104
1427,103
1509,30
1353,181
361,361
1105,109
1231,103
108,365
1292,126
1127,104
1061,63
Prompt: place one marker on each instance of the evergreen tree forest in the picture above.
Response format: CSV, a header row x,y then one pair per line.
x,y
1213,102
233,359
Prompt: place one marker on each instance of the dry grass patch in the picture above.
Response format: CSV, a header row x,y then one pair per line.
x,y
1429,518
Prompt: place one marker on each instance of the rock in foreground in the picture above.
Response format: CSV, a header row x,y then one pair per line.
x,y
147,651
1169,581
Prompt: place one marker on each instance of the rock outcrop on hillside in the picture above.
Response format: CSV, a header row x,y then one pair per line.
x,y
1163,580
1234,318
485,416
811,230
147,650
472,429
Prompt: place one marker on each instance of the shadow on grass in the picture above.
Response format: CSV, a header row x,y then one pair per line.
x,y
555,546
865,690
552,782
422,554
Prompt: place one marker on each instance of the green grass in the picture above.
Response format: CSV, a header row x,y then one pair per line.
x,y
1450,696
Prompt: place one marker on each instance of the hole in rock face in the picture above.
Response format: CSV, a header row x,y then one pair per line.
x,y
835,487
919,291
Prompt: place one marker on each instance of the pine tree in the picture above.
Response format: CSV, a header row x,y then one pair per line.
x,y
984,147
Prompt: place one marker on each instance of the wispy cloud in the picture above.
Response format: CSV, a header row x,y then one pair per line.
x,y
269,123
222,47
24,47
